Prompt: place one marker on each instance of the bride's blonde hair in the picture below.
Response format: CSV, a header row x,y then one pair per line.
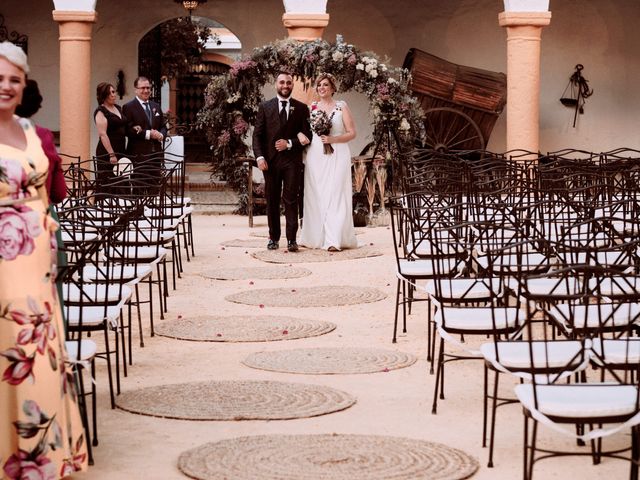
x,y
330,78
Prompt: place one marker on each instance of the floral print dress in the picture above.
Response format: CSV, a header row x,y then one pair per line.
x,y
41,435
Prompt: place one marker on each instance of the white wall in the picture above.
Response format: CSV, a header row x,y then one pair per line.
x,y
599,34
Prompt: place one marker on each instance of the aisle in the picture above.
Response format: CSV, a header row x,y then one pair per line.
x,y
393,401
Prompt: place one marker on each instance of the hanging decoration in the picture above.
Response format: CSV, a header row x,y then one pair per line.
x,y
576,93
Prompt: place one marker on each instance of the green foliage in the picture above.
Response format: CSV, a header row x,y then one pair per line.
x,y
183,40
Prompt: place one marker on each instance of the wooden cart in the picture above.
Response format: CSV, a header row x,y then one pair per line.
x,y
461,104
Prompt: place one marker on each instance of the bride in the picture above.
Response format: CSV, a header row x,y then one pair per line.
x,y
328,217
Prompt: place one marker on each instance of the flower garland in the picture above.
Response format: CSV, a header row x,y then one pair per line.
x,y
232,99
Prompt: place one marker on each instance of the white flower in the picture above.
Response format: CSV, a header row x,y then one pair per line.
x,y
360,66
405,126
368,68
383,67
373,73
337,56
392,81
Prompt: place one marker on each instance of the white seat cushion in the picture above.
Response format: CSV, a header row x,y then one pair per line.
x,y
534,355
416,268
119,272
88,349
617,352
476,318
551,286
92,316
96,293
595,316
580,400
460,288
136,252
72,237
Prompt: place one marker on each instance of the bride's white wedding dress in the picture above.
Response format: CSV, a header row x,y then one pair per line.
x,y
328,211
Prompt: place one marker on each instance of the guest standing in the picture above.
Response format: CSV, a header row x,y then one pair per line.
x,y
41,434
111,125
146,131
29,106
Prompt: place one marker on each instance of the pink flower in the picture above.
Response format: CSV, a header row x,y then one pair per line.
x,y
78,458
351,59
20,366
16,177
42,330
224,138
240,126
21,467
18,227
383,91
237,67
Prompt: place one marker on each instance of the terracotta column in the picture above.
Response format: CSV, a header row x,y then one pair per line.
x,y
75,80
305,20
524,30
305,26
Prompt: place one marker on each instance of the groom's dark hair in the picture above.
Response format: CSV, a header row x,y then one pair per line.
x,y
284,71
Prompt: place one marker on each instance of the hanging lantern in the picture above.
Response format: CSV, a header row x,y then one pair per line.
x,y
576,92
190,5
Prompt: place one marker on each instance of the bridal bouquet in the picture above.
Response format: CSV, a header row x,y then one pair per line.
x,y
321,125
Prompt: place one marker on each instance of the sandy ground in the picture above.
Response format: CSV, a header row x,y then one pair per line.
x,y
395,403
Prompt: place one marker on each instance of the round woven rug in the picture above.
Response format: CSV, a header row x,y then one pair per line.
x,y
235,400
321,296
328,361
242,328
265,233
311,255
326,457
245,243
271,272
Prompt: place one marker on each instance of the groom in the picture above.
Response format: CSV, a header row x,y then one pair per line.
x,y
278,153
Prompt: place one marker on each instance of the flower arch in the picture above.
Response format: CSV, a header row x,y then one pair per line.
x,y
232,99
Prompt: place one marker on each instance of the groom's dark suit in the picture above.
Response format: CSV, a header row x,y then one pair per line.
x,y
140,149
282,178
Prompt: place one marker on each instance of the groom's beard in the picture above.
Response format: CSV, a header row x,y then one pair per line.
x,y
284,93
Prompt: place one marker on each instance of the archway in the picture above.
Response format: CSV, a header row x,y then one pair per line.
x,y
232,99
182,93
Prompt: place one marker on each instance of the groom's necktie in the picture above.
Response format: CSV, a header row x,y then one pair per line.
x,y
283,112
148,112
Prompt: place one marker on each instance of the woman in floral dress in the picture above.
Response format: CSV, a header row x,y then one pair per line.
x,y
41,433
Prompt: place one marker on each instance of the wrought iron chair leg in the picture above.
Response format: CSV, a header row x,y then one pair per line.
x,y
494,408
94,405
439,370
395,322
485,396
534,434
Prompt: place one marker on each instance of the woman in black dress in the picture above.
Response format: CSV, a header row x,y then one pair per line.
x,y
111,125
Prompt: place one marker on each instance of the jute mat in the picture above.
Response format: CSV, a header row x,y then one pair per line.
x,y
245,243
265,233
242,328
321,296
313,255
328,361
326,457
270,272
235,400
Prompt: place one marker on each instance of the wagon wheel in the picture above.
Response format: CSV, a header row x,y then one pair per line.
x,y
448,129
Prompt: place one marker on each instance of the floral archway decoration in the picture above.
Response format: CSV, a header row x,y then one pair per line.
x,y
232,99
